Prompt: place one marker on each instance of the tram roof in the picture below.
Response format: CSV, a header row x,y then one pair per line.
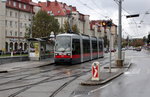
x,y
68,34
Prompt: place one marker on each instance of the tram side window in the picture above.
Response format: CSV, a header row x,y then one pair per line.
x,y
94,46
86,46
100,46
76,46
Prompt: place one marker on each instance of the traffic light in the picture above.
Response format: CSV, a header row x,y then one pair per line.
x,y
104,23
109,23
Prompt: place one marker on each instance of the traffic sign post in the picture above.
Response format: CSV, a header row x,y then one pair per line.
x,y
96,71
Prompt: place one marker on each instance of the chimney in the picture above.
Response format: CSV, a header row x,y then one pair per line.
x,y
64,5
48,3
74,9
56,2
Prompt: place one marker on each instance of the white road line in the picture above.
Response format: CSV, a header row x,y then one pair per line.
x,y
77,96
99,88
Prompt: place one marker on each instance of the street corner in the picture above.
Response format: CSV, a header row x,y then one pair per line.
x,y
127,63
105,77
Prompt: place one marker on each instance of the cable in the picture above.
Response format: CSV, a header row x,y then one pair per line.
x,y
144,16
92,9
116,1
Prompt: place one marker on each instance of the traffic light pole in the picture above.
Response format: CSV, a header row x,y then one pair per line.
x,y
110,44
119,60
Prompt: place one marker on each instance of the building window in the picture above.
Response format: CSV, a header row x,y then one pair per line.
x,y
10,13
20,25
19,5
6,32
20,33
10,23
14,4
25,6
6,23
6,13
24,16
11,33
15,33
9,2
25,25
16,24
16,15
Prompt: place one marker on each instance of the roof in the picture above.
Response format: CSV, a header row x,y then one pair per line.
x,y
56,8
35,39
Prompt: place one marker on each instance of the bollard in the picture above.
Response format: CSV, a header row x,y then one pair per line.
x,y
96,71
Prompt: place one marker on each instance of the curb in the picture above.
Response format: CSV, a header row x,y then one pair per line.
x,y
102,82
128,65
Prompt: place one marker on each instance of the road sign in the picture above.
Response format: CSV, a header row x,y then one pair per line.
x,y
95,71
134,15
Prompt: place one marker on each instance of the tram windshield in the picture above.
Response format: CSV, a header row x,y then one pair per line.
x,y
63,43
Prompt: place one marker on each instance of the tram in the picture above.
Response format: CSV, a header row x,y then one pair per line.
x,y
76,48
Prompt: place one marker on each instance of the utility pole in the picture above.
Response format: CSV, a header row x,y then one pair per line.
x,y
31,21
120,60
110,45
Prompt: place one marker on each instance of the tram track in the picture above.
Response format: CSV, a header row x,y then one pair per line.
x,y
75,76
50,78
40,72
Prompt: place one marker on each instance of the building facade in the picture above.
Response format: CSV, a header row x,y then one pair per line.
x,y
15,17
66,13
100,31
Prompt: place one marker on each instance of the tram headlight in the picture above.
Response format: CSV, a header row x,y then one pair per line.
x,y
56,54
68,54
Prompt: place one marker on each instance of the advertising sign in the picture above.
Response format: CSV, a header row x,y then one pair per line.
x,y
34,49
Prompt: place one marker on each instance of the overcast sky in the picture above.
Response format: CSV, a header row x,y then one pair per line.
x,y
106,9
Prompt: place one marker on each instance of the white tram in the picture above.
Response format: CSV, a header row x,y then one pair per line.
x,y
75,48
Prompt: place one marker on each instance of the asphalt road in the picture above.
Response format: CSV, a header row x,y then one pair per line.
x,y
64,80
133,83
46,81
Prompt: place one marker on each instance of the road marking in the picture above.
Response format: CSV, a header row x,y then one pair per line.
x,y
135,71
77,96
92,91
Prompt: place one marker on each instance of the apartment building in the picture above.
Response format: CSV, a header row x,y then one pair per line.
x,y
64,12
100,31
15,16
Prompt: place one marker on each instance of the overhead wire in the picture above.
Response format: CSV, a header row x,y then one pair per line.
x,y
93,9
144,16
116,1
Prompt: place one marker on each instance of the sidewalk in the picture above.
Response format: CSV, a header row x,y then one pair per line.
x,y
106,76
25,64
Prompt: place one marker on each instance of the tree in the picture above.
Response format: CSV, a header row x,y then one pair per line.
x,y
67,27
43,25
144,39
148,39
75,29
61,30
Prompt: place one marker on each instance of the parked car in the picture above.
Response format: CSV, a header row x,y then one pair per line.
x,y
138,49
114,50
106,50
1,52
